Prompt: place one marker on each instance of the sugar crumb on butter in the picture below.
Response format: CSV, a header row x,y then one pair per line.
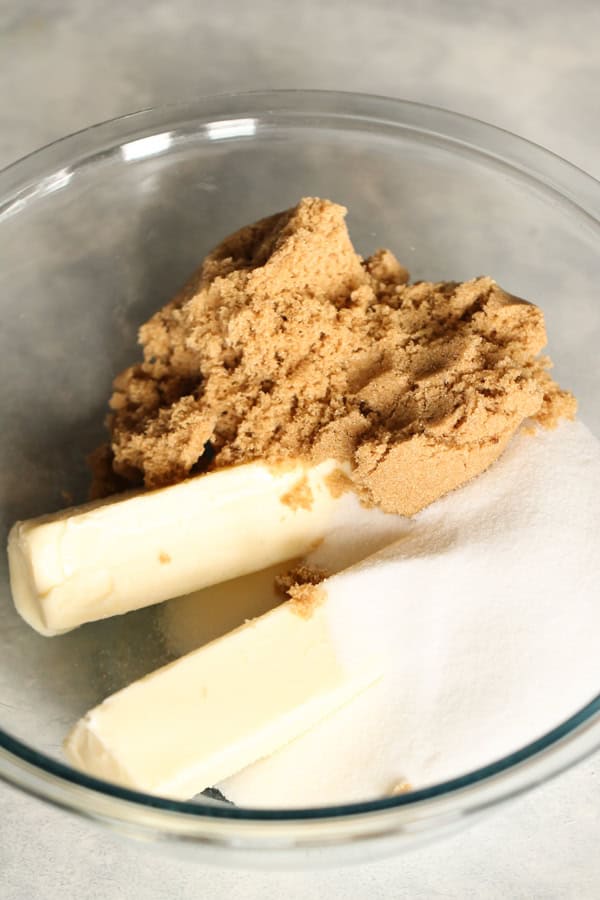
x,y
300,496
302,585
338,482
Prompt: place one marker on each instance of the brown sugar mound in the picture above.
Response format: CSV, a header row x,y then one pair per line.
x,y
286,344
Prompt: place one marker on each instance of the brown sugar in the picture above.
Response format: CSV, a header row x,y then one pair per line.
x,y
285,344
302,585
300,496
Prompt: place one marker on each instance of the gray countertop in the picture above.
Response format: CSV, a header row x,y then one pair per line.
x,y
533,68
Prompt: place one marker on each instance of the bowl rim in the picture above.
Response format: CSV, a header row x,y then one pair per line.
x,y
529,158
569,742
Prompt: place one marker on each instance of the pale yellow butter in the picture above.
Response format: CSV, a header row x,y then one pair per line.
x,y
213,712
112,556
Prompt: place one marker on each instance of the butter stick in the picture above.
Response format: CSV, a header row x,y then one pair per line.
x,y
123,553
218,709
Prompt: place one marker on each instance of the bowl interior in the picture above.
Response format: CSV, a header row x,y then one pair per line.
x,y
109,226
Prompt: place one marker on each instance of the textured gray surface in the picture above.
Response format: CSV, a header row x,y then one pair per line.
x,y
533,68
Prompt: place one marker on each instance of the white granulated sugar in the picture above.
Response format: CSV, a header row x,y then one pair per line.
x,y
487,612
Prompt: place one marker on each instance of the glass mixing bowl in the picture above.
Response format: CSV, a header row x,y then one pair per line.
x,y
97,231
